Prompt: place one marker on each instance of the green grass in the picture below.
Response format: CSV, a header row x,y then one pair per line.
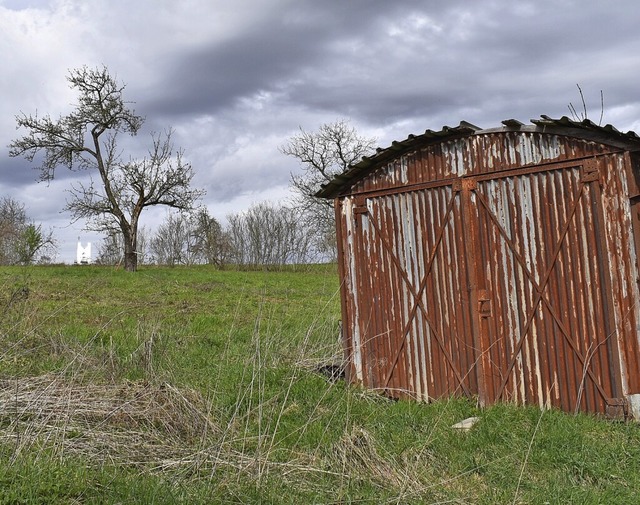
x,y
193,385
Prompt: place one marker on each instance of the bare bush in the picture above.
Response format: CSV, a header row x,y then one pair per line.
x,y
171,243
269,235
187,239
21,240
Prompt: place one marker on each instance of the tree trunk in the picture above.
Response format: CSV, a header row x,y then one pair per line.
x,y
130,254
130,261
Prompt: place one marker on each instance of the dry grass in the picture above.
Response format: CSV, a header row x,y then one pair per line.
x,y
154,427
357,452
131,423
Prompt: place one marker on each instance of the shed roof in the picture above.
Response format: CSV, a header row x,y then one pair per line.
x,y
585,129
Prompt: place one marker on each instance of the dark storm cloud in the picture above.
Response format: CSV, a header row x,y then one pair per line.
x,y
266,55
385,61
14,173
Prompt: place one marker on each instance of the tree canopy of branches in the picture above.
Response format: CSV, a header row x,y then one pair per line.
x,y
86,140
323,155
21,240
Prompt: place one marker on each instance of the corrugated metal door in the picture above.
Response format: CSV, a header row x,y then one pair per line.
x,y
413,275
544,290
492,286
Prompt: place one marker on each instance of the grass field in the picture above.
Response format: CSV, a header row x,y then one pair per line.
x,y
193,385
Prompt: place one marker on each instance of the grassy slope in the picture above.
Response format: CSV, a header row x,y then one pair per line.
x,y
236,350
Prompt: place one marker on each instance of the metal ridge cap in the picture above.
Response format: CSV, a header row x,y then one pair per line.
x,y
588,129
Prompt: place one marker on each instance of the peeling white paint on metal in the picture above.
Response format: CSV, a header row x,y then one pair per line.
x,y
503,205
352,283
421,227
408,220
624,273
406,253
554,149
404,167
556,385
453,258
454,155
405,218
529,151
530,242
537,380
510,151
617,203
413,361
494,157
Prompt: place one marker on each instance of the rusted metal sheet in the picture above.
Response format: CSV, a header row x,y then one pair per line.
x,y
499,265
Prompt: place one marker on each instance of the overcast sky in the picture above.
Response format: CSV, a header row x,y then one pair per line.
x,y
236,79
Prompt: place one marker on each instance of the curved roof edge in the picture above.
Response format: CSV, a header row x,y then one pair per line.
x,y
585,129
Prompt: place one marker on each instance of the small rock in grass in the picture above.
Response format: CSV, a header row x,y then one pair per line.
x,y
467,424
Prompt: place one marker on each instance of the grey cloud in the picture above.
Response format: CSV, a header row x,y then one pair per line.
x,y
394,67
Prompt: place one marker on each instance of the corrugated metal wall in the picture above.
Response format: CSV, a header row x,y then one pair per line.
x,y
499,265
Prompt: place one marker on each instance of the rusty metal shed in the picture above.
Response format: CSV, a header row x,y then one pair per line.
x,y
499,264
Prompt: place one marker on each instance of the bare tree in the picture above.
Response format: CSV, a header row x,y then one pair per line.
x,y
268,235
34,244
323,155
144,246
171,243
86,139
186,239
21,240
210,242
